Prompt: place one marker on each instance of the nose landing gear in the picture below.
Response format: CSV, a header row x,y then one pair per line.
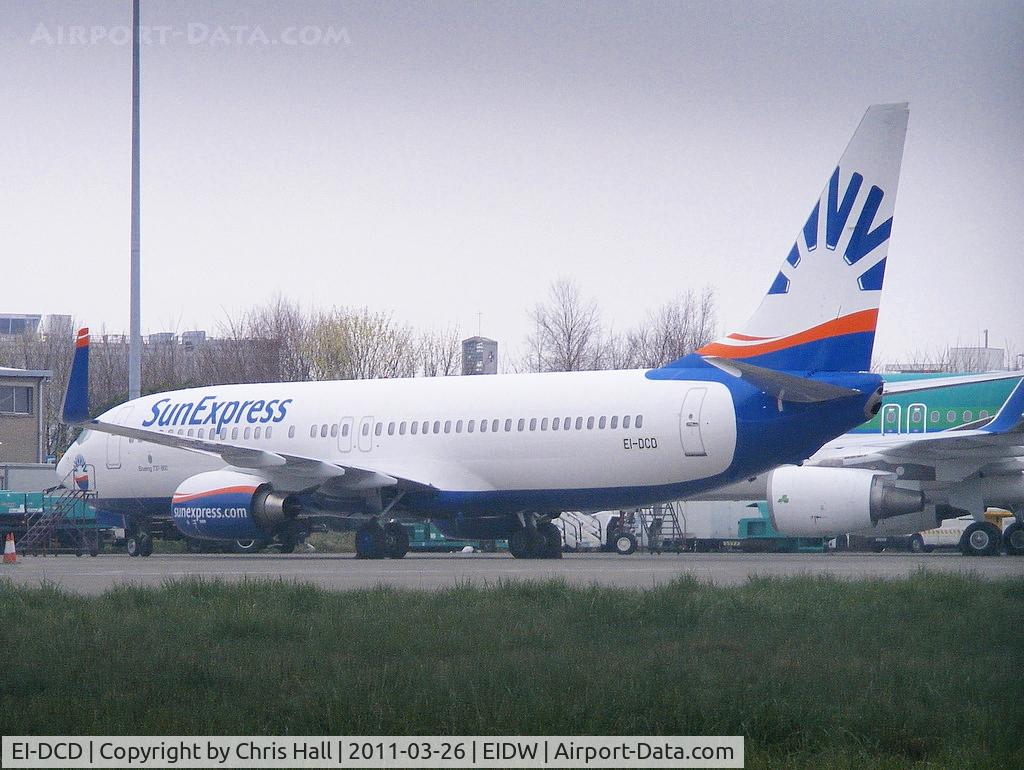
x,y
374,541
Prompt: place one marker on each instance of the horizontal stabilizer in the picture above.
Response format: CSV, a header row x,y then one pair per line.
x,y
785,387
1010,418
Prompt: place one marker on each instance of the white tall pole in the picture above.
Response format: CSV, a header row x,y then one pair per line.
x,y
135,330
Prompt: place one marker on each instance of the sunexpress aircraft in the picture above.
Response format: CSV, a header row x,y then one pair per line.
x,y
500,456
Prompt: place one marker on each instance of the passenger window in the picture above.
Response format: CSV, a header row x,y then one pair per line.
x,y
533,423
190,432
472,424
983,414
344,430
494,426
267,434
291,431
391,429
555,422
323,430
334,430
639,421
414,428
378,429
522,425
935,415
950,416
615,422
544,424
602,422
483,426
257,432
437,426
366,429
458,426
202,431
625,421
508,424
401,428
579,423
590,423
968,415
447,426
234,433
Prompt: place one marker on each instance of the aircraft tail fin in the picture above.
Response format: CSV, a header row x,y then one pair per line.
x,y
821,309
76,398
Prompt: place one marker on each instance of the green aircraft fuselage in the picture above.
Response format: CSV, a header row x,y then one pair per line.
x,y
940,408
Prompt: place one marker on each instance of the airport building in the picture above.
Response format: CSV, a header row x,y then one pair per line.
x,y
479,356
21,417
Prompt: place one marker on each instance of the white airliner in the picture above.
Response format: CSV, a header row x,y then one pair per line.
x,y
500,456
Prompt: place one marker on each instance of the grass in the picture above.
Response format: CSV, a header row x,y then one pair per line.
x,y
813,671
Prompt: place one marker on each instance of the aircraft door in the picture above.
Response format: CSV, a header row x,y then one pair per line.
x,y
689,423
891,418
114,442
916,416
345,434
366,434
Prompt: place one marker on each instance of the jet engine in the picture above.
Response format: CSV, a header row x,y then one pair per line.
x,y
227,505
810,501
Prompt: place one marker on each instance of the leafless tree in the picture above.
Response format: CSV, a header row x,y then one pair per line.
x,y
567,332
676,329
440,352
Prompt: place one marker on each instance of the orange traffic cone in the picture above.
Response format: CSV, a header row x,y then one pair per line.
x,y
10,555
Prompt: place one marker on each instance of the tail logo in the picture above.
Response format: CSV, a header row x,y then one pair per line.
x,y
865,237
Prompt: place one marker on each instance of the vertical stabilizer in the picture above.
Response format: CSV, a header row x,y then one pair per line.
x,y
821,309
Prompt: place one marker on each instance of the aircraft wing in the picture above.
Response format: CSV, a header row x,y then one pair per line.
x,y
288,470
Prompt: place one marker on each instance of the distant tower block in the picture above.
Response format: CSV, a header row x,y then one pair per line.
x,y
479,356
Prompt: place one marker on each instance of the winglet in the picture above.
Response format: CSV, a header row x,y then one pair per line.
x,y
76,399
1011,416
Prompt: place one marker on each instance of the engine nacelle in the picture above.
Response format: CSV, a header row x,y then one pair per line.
x,y
810,501
227,505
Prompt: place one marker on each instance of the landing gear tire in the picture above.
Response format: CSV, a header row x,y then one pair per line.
x,y
193,546
917,545
624,544
982,538
247,546
552,546
132,546
396,540
371,542
1013,539
528,543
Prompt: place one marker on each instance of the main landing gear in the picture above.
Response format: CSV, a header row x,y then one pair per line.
x,y
535,539
138,541
374,541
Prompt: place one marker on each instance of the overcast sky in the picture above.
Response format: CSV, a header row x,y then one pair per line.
x,y
445,159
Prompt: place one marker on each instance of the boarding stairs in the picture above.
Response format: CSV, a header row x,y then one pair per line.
x,y
662,527
60,527
580,531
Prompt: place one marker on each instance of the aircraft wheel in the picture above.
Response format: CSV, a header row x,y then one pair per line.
x,y
145,545
982,538
396,540
132,546
527,543
551,547
625,543
1013,539
917,545
247,546
370,541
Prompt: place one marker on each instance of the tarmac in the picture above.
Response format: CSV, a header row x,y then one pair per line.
x,y
94,575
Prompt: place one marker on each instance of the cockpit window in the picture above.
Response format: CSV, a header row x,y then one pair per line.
x,y
83,436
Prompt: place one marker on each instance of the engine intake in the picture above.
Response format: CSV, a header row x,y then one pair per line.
x,y
227,505
826,502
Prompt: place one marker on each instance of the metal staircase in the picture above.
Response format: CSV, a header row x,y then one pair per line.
x,y
666,519
580,531
60,527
